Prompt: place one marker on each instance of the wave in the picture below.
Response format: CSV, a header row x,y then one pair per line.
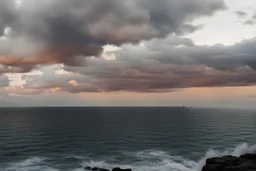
x,y
149,160
31,164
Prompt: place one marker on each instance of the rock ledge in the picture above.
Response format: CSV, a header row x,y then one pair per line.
x,y
101,169
245,162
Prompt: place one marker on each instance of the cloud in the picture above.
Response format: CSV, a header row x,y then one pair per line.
x,y
4,81
156,65
7,13
152,53
69,55
241,14
254,17
251,21
63,31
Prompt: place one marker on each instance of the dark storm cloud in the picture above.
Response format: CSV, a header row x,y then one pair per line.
x,y
218,56
7,13
57,31
157,65
111,21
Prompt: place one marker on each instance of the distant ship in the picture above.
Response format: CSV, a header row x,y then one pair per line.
x,y
183,107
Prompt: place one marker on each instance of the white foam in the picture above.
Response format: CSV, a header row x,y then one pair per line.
x,y
243,149
153,160
31,164
149,160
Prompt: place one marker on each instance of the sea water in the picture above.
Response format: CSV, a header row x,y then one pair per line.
x,y
140,138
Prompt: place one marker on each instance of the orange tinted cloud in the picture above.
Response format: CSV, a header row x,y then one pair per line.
x,y
68,55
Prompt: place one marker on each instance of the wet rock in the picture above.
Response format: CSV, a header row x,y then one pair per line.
x,y
102,169
245,162
95,169
119,169
249,156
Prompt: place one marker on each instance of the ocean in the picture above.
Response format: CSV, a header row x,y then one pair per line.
x,y
140,138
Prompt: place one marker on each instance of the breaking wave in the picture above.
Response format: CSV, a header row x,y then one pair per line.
x,y
31,164
149,160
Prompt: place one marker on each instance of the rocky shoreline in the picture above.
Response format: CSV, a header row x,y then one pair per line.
x,y
245,162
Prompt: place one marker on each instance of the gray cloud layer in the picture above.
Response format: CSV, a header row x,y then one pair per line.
x,y
58,31
159,65
251,21
4,81
241,14
153,56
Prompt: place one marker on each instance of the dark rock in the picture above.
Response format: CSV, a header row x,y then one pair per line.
x,y
212,167
249,156
215,160
95,169
100,169
245,162
119,169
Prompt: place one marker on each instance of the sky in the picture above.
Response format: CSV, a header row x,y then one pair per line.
x,y
128,53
